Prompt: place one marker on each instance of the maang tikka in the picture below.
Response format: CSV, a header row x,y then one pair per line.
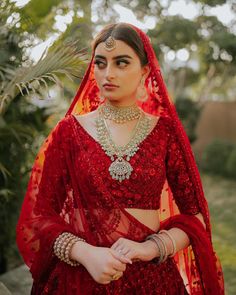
x,y
110,43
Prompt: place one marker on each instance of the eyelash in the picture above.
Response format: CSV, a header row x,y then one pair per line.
x,y
97,62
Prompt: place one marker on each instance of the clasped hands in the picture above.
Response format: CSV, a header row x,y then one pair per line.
x,y
106,264
134,251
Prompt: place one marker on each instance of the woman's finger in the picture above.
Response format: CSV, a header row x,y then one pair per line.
x,y
130,255
121,257
115,246
109,278
124,250
116,272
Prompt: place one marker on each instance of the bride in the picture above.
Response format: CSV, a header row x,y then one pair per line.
x,y
115,204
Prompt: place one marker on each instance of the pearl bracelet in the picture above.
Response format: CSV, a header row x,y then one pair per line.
x,y
62,247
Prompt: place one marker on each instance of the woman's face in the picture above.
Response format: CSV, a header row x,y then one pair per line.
x,y
120,67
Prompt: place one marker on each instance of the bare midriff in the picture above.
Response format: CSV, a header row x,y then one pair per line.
x,y
150,218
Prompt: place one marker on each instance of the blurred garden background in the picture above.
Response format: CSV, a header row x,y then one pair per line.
x,y
44,50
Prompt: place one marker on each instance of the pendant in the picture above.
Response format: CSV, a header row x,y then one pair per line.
x,y
120,169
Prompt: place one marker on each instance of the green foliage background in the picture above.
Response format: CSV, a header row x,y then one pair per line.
x,y
27,117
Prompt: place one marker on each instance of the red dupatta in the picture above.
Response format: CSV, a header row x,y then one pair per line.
x,y
53,200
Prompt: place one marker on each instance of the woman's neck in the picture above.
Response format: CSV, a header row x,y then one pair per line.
x,y
121,103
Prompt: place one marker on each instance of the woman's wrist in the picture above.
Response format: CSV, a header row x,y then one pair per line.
x,y
80,251
151,249
165,244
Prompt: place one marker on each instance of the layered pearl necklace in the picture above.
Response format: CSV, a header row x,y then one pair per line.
x,y
120,167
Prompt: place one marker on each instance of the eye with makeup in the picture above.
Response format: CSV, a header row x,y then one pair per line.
x,y
99,63
121,63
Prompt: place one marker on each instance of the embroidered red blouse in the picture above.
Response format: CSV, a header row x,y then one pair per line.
x,y
159,157
74,195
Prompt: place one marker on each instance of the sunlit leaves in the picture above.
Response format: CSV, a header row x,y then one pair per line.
x,y
211,2
66,60
175,32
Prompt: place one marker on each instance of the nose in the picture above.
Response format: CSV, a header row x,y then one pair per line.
x,y
110,73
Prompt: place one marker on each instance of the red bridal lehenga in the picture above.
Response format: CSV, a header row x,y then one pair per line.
x,y
70,189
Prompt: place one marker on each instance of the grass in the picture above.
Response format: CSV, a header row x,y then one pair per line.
x,y
221,196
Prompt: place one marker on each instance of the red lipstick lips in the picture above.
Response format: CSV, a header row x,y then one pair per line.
x,y
109,86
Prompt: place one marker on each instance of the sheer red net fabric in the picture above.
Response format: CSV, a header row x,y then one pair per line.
x,y
59,198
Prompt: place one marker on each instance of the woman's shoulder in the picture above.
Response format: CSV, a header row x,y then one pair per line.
x,y
81,118
165,119
72,124
152,117
88,119
63,122
64,125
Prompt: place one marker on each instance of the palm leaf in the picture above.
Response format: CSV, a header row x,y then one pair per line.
x,y
5,194
7,72
16,132
63,60
3,170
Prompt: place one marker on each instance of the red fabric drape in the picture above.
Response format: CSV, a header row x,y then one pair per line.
x,y
57,199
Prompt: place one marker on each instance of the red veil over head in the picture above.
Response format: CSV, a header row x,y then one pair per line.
x,y
39,224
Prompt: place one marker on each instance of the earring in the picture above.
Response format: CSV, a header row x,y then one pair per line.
x,y
141,91
100,96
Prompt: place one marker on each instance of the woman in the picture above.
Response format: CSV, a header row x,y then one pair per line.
x,y
115,205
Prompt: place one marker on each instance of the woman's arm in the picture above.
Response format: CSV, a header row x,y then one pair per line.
x,y
80,251
180,237
180,180
40,221
200,217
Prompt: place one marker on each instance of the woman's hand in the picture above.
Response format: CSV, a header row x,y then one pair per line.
x,y
102,263
135,251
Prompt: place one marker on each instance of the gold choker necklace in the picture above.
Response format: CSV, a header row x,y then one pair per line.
x,y
120,114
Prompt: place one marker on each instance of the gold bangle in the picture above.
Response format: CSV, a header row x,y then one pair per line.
x,y
160,246
164,246
172,241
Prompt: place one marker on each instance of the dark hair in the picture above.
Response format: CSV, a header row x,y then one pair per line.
x,y
125,33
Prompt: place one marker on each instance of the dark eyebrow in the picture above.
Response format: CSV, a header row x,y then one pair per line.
x,y
116,57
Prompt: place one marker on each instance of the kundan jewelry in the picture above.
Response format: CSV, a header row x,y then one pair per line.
x,y
121,114
120,167
110,43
